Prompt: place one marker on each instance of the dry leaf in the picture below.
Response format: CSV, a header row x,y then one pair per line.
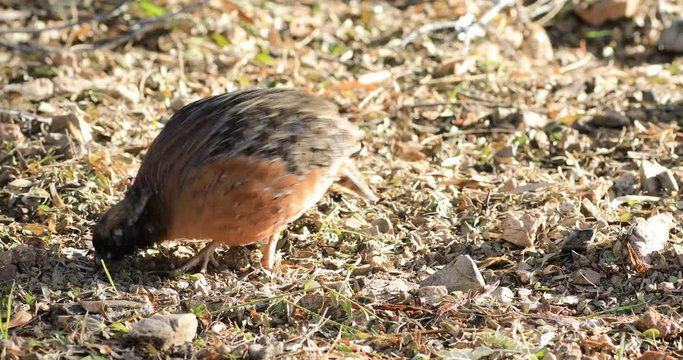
x,y
19,319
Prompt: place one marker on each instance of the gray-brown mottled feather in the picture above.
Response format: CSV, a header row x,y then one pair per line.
x,y
301,130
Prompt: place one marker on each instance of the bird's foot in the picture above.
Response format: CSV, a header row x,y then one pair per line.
x,y
202,258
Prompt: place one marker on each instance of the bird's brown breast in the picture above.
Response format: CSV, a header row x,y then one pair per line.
x,y
240,201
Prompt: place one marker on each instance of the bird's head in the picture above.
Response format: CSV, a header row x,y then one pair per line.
x,y
129,225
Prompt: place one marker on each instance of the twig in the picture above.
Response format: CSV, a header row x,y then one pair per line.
x,y
466,24
99,17
480,100
145,26
27,116
457,25
549,9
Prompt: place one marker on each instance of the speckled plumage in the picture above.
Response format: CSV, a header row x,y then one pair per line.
x,y
233,168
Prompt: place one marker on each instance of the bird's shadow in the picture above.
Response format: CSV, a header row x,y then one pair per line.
x,y
36,272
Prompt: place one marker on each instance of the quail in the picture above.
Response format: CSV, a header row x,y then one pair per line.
x,y
234,169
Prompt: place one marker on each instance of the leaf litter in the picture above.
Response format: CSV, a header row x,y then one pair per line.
x,y
523,162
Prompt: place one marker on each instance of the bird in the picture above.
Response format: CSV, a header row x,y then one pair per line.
x,y
235,169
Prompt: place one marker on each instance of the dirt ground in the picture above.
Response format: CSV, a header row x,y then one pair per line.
x,y
528,143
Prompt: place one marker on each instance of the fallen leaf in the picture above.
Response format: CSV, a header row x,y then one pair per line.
x,y
19,319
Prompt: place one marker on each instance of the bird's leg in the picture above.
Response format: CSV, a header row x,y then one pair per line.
x,y
204,256
269,250
349,172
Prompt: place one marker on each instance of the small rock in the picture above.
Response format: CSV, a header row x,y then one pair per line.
x,y
654,177
46,108
666,287
166,331
579,240
381,225
70,85
261,352
76,125
538,45
606,10
520,227
651,319
218,327
668,181
32,90
650,236
460,275
503,294
671,39
432,295
532,119
611,119
625,184
587,277
128,92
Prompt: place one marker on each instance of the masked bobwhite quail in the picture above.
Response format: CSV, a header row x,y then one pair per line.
x,y
236,169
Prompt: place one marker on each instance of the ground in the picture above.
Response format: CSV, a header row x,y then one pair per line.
x,y
499,147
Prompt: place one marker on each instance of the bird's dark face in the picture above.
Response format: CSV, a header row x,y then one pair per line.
x,y
126,227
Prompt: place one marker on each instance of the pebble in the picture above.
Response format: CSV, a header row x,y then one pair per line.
x,y
460,275
503,294
32,90
166,330
261,352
